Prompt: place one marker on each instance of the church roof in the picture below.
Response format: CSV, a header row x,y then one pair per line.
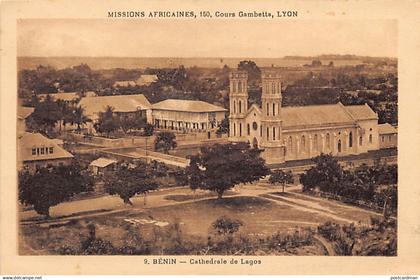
x,y
316,115
120,103
386,128
180,105
321,115
361,112
27,141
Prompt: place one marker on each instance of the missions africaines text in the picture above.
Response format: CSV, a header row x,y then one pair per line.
x,y
179,14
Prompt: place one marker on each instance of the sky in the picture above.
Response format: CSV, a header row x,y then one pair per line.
x,y
201,38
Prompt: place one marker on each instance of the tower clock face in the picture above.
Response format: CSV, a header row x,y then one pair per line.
x,y
254,125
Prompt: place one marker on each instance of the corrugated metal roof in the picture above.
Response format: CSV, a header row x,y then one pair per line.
x,y
180,105
386,128
27,141
120,103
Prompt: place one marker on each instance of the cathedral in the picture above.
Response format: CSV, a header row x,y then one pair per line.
x,y
295,133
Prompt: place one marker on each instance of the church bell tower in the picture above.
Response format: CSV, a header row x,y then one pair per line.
x,y
238,99
271,120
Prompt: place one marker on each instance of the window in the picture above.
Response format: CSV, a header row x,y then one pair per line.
x,y
240,106
240,129
42,151
37,151
248,129
383,138
315,142
273,88
339,146
234,129
234,106
350,139
370,138
268,108
266,88
274,133
303,141
268,133
327,140
254,125
261,130
234,86
239,86
289,144
274,109
389,138
360,141
33,151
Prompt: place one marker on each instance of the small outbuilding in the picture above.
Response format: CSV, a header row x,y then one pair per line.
x,y
100,165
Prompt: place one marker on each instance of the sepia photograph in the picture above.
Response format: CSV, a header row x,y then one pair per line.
x,y
169,138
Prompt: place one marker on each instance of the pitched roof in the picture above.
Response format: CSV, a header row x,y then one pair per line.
x,y
65,96
361,112
120,103
27,141
180,105
386,128
146,80
102,162
316,115
24,112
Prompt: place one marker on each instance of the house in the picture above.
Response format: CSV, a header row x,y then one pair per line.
x,y
100,165
22,114
123,105
36,151
146,80
187,115
388,136
295,133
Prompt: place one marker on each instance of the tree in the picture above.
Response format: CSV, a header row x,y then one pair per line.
x,y
279,176
148,129
128,182
326,174
45,116
221,167
223,127
254,72
80,118
165,141
107,121
51,186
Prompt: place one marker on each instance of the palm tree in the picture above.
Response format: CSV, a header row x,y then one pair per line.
x,y
79,117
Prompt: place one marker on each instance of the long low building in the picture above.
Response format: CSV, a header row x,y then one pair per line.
x,y
187,115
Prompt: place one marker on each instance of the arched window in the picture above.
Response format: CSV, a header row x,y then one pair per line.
x,y
370,138
274,133
339,146
316,142
274,109
290,144
268,108
327,140
240,106
303,141
240,129
360,141
248,128
234,107
268,133
234,129
350,139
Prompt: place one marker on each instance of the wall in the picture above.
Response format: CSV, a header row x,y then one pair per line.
x,y
388,140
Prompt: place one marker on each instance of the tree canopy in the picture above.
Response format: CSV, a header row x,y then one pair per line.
x,y
165,141
221,167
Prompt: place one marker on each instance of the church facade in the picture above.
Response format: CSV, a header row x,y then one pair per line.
x,y
295,133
